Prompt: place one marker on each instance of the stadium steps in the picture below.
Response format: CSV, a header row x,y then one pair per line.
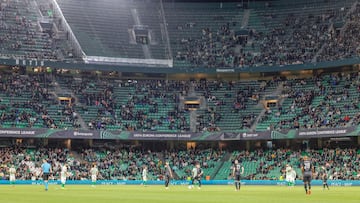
x,y
219,165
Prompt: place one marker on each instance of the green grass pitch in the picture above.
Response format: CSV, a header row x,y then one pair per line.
x,y
158,194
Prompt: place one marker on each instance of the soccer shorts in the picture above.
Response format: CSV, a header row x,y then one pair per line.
x,y
196,178
12,178
237,178
46,176
307,177
63,180
93,178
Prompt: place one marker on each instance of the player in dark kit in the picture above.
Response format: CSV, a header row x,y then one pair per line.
x,y
324,178
168,175
307,170
238,170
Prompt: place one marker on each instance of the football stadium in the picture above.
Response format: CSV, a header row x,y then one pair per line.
x,y
179,101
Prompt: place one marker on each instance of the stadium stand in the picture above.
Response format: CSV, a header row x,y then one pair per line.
x,y
238,100
182,162
203,35
319,102
345,45
29,101
124,163
261,35
23,37
154,105
270,164
104,28
215,35
285,35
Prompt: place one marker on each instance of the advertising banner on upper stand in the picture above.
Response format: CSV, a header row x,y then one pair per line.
x,y
49,133
186,136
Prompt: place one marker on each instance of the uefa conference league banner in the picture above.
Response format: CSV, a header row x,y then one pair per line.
x,y
151,135
48,133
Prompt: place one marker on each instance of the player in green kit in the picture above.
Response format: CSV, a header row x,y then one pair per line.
x,y
12,172
94,173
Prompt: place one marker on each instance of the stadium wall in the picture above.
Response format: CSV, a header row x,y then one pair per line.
x,y
179,182
157,69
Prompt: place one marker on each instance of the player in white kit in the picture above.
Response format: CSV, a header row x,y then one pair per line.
x,y
94,173
12,172
290,175
63,175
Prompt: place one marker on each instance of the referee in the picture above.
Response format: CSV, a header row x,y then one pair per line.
x,y
46,170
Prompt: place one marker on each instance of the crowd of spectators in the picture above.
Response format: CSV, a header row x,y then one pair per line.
x,y
324,101
227,97
114,163
132,104
299,37
26,100
184,161
146,105
28,161
213,48
21,37
121,164
126,163
31,107
340,164
289,37
345,44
